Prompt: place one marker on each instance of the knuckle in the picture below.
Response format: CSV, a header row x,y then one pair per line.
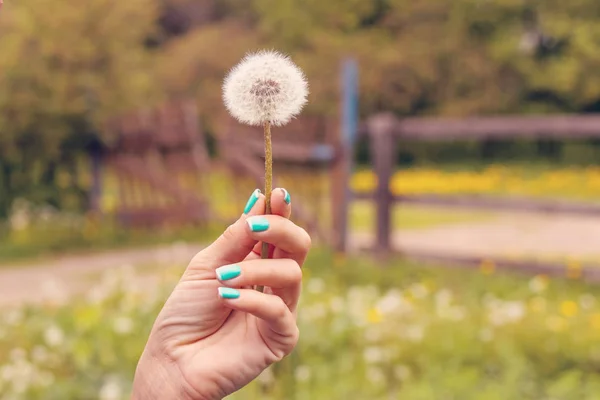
x,y
281,309
229,233
296,272
306,240
295,336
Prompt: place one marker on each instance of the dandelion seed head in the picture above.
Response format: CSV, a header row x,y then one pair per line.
x,y
265,87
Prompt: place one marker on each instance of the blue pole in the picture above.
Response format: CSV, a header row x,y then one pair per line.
x,y
349,125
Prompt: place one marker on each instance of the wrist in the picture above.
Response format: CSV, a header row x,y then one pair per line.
x,y
155,379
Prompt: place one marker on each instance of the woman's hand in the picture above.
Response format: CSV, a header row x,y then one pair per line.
x,y
215,333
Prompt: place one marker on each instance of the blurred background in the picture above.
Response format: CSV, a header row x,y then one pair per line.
x,y
447,167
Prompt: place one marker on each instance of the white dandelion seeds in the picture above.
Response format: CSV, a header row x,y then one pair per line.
x,y
265,87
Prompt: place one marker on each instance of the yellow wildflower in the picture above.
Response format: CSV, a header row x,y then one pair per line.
x,y
569,308
374,316
595,321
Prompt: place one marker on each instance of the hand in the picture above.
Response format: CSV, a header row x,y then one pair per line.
x,y
215,333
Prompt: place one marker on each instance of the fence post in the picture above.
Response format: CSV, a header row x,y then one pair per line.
x,y
381,131
341,194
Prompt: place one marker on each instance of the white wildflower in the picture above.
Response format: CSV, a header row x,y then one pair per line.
x,y
13,317
54,336
337,305
502,313
315,285
111,390
418,291
373,355
587,301
123,325
443,298
302,373
538,284
414,333
265,87
393,301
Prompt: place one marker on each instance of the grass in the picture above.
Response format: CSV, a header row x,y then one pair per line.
x,y
369,330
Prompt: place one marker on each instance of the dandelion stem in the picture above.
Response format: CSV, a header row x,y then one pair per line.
x,y
268,185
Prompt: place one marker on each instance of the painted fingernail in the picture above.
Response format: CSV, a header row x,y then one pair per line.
x,y
252,201
227,272
286,196
228,293
258,223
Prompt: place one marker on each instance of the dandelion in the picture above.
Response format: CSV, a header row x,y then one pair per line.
x,y
373,355
587,301
54,336
374,316
315,286
123,325
265,88
111,390
569,308
538,283
302,373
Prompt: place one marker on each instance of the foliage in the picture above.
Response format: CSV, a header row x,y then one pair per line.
x,y
63,74
66,73
394,331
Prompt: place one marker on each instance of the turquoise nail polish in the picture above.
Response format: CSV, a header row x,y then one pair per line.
x,y
227,272
228,293
251,201
258,224
286,196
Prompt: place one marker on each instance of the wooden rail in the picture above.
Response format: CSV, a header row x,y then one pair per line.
x,y
385,129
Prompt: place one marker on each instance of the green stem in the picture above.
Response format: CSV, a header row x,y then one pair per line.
x,y
268,185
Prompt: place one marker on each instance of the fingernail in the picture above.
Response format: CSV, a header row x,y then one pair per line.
x,y
286,196
228,293
258,223
251,201
227,272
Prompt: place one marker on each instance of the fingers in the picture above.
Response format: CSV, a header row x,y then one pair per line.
x,y
237,242
281,233
279,273
281,203
280,330
283,276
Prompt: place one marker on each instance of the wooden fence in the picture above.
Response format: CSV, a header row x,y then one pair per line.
x,y
385,130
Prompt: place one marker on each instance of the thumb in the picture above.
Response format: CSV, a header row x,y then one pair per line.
x,y
235,243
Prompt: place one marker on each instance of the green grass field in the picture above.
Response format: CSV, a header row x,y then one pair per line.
x,y
369,330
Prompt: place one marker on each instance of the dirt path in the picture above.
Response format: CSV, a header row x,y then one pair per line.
x,y
68,275
509,235
514,235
